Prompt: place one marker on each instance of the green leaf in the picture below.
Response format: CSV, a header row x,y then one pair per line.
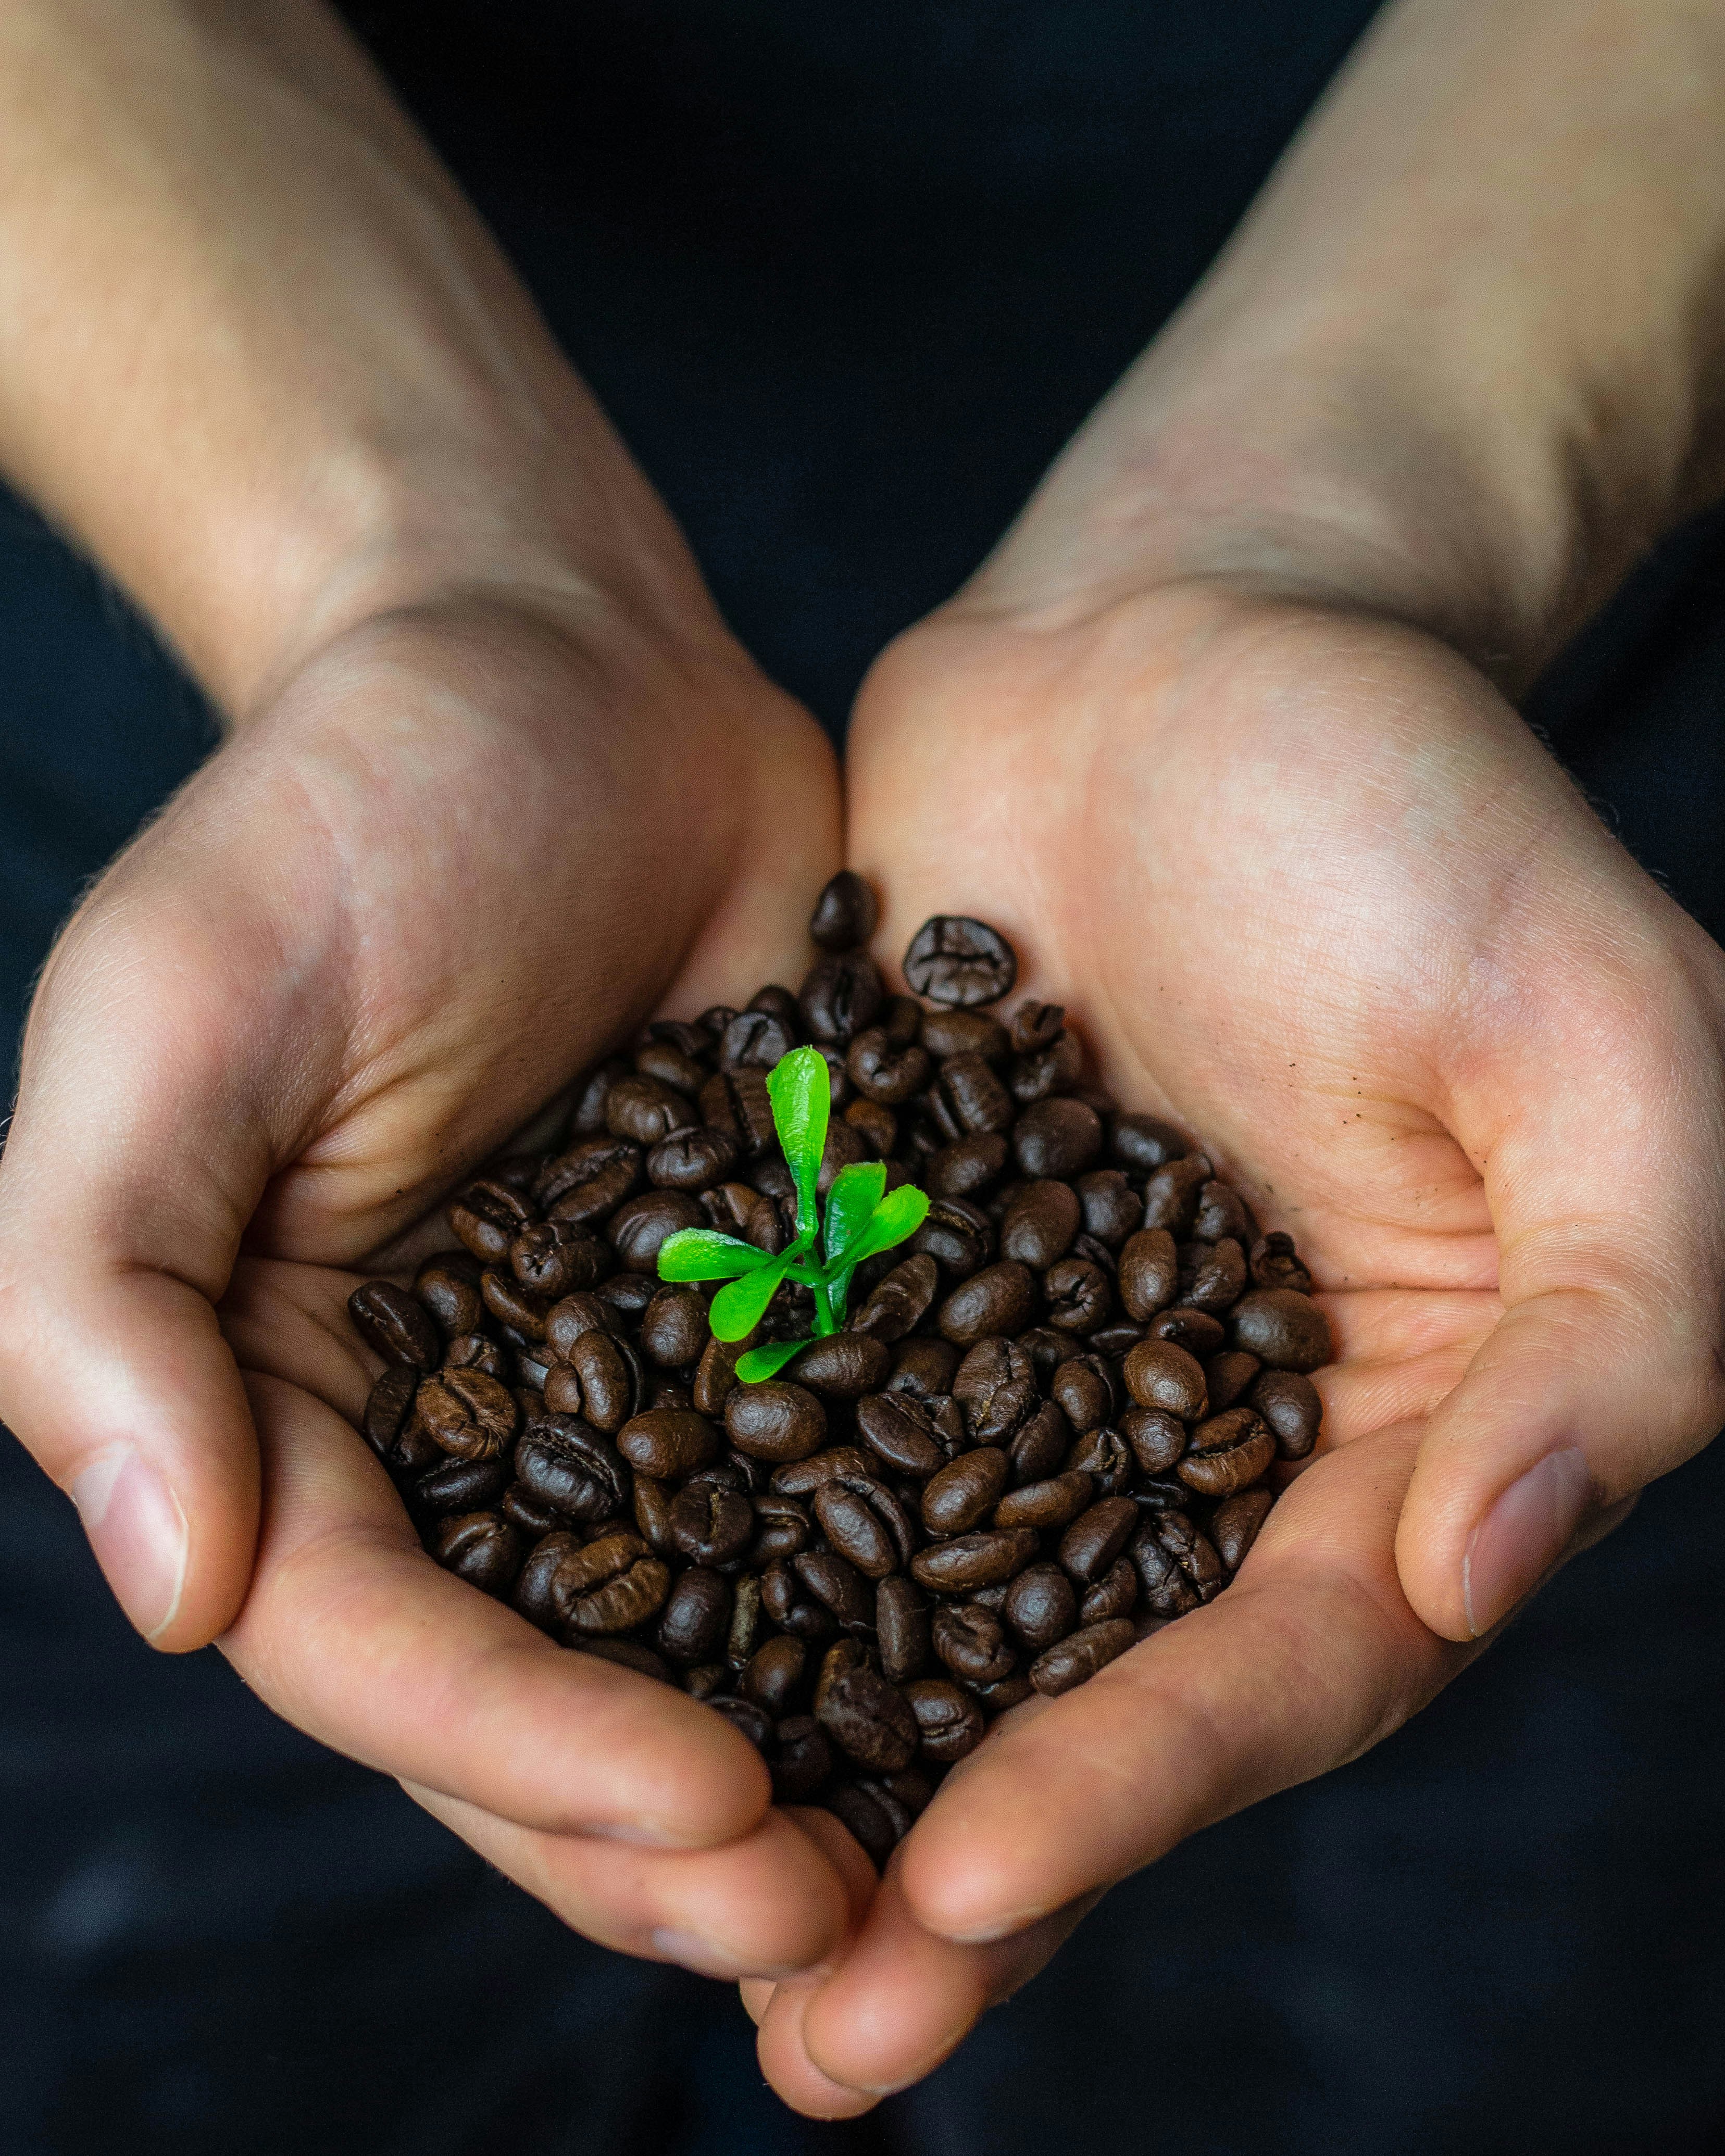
x,y
900,1213
701,1254
739,1308
855,1194
767,1362
801,1092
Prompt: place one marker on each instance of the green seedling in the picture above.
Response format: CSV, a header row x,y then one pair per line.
x,y
862,1219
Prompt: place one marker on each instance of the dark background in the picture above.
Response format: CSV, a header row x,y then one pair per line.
x,y
846,278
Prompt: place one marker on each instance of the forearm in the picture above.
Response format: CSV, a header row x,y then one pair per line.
x,y
258,356
1461,361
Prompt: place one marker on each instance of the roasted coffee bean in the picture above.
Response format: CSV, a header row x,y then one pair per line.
x,y
1078,1295
901,1430
960,962
1001,1299
614,1584
1160,1375
1038,1450
387,1406
1097,1537
746,1719
767,1227
774,1674
1036,1025
966,1168
973,1644
1071,1661
487,1217
951,1032
844,914
1049,1504
1112,1210
1234,1525
473,1351
624,1298
448,1287
1275,1264
692,1160
1114,1342
1283,1328
1114,1594
781,1528
802,1478
514,1306
1041,1223
737,1102
1085,1390
1177,1568
756,1040
460,1485
842,1367
589,1115
883,1070
481,1548
876,1127
1149,1273
995,1699
697,1617
778,1002
865,1524
523,1510
727,1209
1043,1072
556,1258
468,1414
949,1722
1212,1276
1228,1453
668,1443
1227,1375
674,1327
589,1181
957,1233
748,1621
965,1492
395,1325
901,1628
842,1655
837,1585
652,1502
629,1654
608,1374
1171,1195
1194,1330
799,1758
840,998
714,1377
924,1368
870,1822
1221,1211
900,1301
673,1064
775,1421
969,1098
869,1720
1140,1144
1041,1606
712,1526
1289,1402
1157,1439
572,1467
1107,1458
785,1602
640,1225
1058,1138
973,1560
995,1385
567,1321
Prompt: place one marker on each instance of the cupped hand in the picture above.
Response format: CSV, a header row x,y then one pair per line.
x,y
465,850
1315,893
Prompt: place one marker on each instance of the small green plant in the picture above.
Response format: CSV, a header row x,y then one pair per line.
x,y
862,1219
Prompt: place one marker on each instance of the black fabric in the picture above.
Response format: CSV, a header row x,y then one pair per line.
x,y
846,278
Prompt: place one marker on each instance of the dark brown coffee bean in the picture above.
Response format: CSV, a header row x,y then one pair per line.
x,y
487,1217
757,1040
957,1233
869,1720
646,1111
481,1549
1194,1330
838,1586
460,1485
394,1324
523,1510
1171,1195
1114,1594
1140,1144
884,1070
714,1377
1234,1525
1114,1342
947,1032
387,1406
781,1528
775,1421
570,1466
1036,1025
1229,1452
629,1654
1227,1375
1058,1138
842,1655
1157,1439
1078,1294
1049,1504
842,1367
638,1227
786,1602
1177,1566
651,1502
1041,1606
667,1442
1276,1264
866,1525
973,1644
589,1181
1283,1328
674,1327
693,1160
877,1127
1212,1276
965,1492
1149,1273
767,1226
949,1722
556,1258
589,1115
745,1718
840,998
1085,1390
468,1414
995,1385
1107,1458
710,1525
1110,1209
960,962
1221,1211
900,1301
966,1168
799,1758
696,1617
513,1305
1041,1223
613,1585
567,1321
968,1098
737,1102
448,1287
673,1062
608,1377
1038,1450
1097,1537
474,1351
844,914
802,1478
999,1300
1289,1402
1160,1375
1076,1658
901,1430
1044,1072
901,1627
973,1560
774,1674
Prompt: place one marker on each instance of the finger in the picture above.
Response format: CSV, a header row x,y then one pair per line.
x,y
356,1635
1309,1658
764,1906
1398,1352
856,1875
786,2063
1603,1166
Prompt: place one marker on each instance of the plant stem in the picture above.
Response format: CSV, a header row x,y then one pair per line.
x,y
825,1322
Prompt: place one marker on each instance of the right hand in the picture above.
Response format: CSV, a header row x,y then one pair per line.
x,y
463,852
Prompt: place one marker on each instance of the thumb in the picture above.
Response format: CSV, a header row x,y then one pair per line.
x,y
1605,1179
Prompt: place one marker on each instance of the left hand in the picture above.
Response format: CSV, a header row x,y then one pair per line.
x,y
1316,895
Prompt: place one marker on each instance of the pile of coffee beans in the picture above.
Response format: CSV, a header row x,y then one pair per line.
x,y
1044,1433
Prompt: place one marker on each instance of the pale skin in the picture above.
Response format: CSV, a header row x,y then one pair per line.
x,y
1219,738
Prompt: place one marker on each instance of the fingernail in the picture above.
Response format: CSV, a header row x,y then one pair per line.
x,y
1521,1537
998,1927
947,2045
138,1533
707,1958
